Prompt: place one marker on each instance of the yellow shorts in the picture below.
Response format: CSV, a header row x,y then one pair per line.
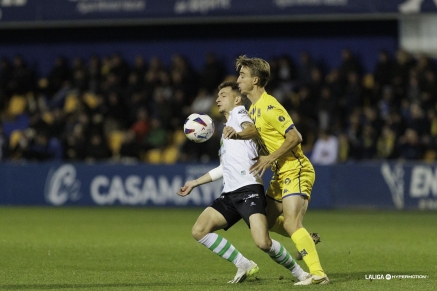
x,y
293,182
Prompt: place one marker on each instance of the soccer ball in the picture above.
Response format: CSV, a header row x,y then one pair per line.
x,y
198,127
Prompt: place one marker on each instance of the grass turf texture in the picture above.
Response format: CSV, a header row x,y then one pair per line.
x,y
152,249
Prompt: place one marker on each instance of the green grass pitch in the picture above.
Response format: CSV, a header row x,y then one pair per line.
x,y
122,248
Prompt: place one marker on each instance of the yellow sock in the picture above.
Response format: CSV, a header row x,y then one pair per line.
x,y
278,227
306,247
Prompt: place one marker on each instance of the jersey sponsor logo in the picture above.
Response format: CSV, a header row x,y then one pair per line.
x,y
242,111
281,118
270,107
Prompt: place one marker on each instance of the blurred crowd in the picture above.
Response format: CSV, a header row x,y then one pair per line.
x,y
108,108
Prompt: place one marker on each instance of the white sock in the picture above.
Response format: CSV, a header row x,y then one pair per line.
x,y
220,246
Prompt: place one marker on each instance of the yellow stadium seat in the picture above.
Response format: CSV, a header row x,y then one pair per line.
x,y
153,156
170,155
115,139
91,100
178,137
17,105
15,137
71,103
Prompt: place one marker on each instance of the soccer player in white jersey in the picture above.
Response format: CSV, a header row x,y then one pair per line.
x,y
242,197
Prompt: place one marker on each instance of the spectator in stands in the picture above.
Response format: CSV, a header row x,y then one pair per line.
x,y
409,146
383,71
385,145
157,137
97,148
212,73
79,75
325,151
203,102
349,64
326,109
94,72
130,149
22,79
304,69
139,68
119,68
141,126
43,148
59,74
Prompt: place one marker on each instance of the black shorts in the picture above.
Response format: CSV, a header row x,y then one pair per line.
x,y
241,203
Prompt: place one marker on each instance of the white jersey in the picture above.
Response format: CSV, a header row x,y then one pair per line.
x,y
237,156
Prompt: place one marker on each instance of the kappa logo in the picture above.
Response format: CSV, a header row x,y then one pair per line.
x,y
270,107
286,191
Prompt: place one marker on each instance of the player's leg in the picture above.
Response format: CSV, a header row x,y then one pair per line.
x,y
220,217
294,207
274,207
276,251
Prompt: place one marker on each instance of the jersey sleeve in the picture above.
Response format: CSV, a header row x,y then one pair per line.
x,y
278,118
243,116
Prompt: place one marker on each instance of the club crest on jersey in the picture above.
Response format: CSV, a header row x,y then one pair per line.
x,y
287,181
270,107
281,118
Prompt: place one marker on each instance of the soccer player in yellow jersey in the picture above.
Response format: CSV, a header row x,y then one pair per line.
x,y
293,174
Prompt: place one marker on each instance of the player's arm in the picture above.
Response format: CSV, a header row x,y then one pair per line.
x,y
212,175
249,132
292,139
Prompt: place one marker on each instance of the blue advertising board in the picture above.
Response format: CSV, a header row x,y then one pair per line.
x,y
72,10
369,185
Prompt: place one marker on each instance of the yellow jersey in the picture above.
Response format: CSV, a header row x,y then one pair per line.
x,y
273,122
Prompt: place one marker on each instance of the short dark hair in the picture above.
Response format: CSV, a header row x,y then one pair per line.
x,y
258,68
235,89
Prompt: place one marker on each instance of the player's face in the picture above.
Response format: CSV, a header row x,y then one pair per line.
x,y
225,100
245,80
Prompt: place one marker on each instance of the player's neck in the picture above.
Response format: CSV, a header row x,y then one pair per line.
x,y
255,94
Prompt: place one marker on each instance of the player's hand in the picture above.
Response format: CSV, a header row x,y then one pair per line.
x,y
186,189
229,133
261,165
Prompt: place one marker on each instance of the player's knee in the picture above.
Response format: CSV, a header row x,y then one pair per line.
x,y
265,244
198,232
291,226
